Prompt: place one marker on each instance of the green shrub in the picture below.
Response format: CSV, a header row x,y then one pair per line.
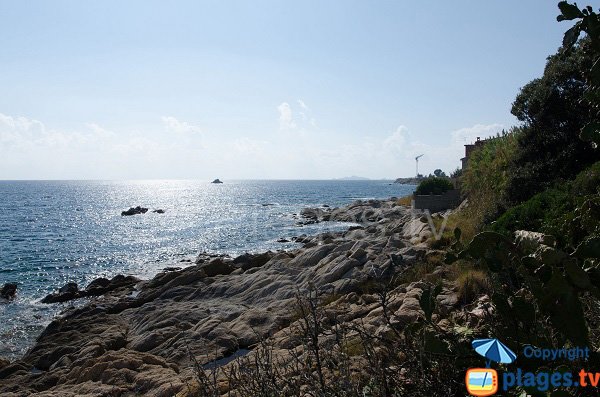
x,y
588,181
434,185
566,211
484,182
532,214
486,177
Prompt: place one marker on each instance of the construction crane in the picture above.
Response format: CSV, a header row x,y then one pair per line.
x,y
417,161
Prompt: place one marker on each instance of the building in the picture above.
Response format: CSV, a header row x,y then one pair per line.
x,y
469,149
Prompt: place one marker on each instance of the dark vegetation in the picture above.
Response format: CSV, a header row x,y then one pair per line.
x,y
542,176
434,185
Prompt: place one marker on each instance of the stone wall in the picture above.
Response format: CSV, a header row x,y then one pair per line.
x,y
435,203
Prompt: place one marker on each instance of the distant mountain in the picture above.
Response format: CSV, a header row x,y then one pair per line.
x,y
409,181
352,178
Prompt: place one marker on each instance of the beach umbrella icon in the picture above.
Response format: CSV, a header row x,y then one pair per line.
x,y
494,350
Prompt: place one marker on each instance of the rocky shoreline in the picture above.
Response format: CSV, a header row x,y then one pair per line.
x,y
144,337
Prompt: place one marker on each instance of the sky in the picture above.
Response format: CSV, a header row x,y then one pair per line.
x,y
260,89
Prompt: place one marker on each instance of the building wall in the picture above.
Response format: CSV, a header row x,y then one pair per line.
x,y
469,149
436,203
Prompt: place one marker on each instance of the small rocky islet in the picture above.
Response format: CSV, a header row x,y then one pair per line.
x,y
137,337
140,210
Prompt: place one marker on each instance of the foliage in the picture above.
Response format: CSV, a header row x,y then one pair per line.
x,y
588,181
588,22
540,296
434,185
569,211
553,113
487,174
457,173
439,173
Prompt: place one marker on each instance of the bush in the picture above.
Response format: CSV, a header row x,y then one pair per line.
x,y
434,185
565,211
532,214
588,181
486,177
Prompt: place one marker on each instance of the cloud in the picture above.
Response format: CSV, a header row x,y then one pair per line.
x,y
286,120
447,155
172,125
31,150
390,155
303,105
100,131
22,133
469,135
174,148
397,140
18,131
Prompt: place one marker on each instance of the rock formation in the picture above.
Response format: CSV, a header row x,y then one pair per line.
x,y
8,292
134,211
137,337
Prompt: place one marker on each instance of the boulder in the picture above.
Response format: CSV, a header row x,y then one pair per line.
x,y
447,300
65,293
217,181
248,261
483,309
8,291
134,211
217,266
207,257
315,215
410,310
158,211
98,284
101,286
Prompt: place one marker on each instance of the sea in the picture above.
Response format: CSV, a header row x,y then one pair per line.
x,y
54,232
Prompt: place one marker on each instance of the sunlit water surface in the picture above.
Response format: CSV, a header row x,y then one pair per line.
x,y
54,232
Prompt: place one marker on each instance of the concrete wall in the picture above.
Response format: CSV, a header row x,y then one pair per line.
x,y
436,203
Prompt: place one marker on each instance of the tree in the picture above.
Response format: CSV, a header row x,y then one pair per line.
x,y
457,173
439,173
553,112
588,22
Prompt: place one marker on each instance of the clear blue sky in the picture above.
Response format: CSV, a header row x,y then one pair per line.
x,y
259,89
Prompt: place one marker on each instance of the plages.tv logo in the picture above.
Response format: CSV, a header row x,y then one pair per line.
x,y
482,382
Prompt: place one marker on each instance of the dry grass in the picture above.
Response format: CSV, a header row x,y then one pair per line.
x,y
472,283
405,201
469,220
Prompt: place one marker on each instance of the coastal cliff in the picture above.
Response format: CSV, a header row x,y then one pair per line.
x,y
153,337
